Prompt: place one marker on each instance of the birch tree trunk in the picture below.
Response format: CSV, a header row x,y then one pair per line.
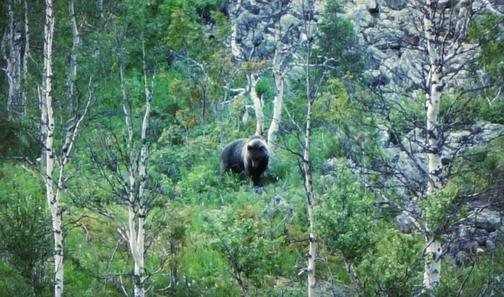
x,y
136,201
135,233
75,45
174,278
54,188
432,269
279,83
136,244
308,178
308,184
53,198
258,106
99,3
12,48
26,54
235,47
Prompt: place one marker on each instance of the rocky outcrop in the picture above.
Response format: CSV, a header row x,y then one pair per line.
x,y
386,29
406,160
409,156
481,231
389,30
254,23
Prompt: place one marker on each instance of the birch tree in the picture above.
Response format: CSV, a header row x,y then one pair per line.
x,y
433,251
306,157
126,172
313,82
258,104
26,53
279,78
256,51
55,161
12,49
436,64
308,186
137,207
444,31
240,54
76,41
49,155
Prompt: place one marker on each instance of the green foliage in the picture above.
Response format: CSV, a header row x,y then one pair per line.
x,y
11,283
212,231
480,171
339,41
461,110
24,226
439,210
86,243
266,88
240,235
394,267
205,267
345,218
406,114
483,30
14,141
182,31
483,276
332,106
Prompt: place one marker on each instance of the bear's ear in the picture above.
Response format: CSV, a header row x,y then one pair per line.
x,y
249,147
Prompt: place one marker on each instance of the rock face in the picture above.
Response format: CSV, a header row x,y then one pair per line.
x,y
254,24
406,159
480,229
386,28
390,31
488,220
409,155
392,41
479,232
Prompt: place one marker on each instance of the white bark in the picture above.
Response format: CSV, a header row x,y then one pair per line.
x,y
136,201
258,107
135,230
12,54
278,75
434,85
277,110
125,106
432,265
308,182
43,126
53,197
136,244
55,188
26,54
99,3
75,45
142,168
235,48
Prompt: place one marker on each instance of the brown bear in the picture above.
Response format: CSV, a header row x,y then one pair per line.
x,y
249,156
